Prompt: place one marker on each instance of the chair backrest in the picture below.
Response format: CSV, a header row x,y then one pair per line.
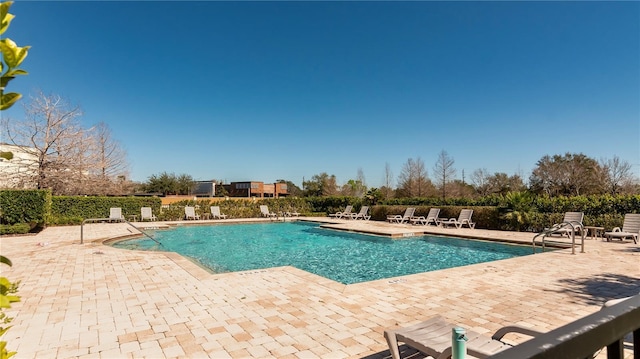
x,y
190,211
115,212
631,223
573,217
264,209
348,209
465,214
364,210
433,213
145,212
408,213
215,210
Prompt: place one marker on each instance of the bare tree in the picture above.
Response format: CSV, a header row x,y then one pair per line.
x,y
480,181
618,175
59,154
413,180
444,171
109,159
52,137
387,188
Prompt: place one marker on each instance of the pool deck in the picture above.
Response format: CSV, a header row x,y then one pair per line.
x,y
95,301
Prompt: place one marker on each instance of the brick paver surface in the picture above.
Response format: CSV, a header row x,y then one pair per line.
x,y
94,301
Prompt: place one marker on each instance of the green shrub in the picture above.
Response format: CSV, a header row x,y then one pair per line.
x,y
25,206
18,228
484,216
68,209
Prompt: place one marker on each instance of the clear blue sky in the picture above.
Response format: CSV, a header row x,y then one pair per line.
x,y
284,90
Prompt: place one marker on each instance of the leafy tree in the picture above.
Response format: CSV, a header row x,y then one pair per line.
x,y
185,184
567,175
169,183
413,180
292,188
373,196
355,188
220,190
501,183
444,171
320,185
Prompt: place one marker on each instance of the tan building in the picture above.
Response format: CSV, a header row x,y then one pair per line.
x,y
18,166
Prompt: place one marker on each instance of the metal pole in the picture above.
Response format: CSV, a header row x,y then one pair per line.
x,y
458,343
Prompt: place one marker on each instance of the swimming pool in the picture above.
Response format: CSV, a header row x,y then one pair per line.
x,y
341,256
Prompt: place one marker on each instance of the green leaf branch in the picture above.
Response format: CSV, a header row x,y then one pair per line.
x,y
12,57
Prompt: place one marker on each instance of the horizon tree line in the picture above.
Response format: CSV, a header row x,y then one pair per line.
x,y
71,159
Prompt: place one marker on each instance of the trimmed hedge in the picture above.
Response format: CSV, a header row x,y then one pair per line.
x,y
66,210
38,208
234,208
484,217
25,206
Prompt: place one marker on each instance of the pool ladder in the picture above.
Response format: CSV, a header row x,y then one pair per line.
x,y
111,220
549,231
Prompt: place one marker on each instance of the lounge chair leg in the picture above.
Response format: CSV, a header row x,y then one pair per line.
x,y
393,344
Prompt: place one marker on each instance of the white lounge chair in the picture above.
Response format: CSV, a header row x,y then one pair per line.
x,y
147,214
433,338
405,218
293,213
463,218
264,210
215,213
115,214
630,228
564,228
363,214
431,218
343,214
190,213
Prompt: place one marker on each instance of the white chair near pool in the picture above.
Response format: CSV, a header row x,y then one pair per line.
x,y
147,214
431,218
115,214
463,218
363,214
215,213
343,214
630,228
405,218
264,210
190,213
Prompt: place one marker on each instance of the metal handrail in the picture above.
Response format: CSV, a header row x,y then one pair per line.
x,y
111,219
555,228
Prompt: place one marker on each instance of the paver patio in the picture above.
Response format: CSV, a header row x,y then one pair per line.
x,y
94,301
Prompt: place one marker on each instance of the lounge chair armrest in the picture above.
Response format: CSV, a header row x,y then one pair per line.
x,y
617,229
514,329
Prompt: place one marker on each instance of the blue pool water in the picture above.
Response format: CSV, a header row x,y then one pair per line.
x,y
342,256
